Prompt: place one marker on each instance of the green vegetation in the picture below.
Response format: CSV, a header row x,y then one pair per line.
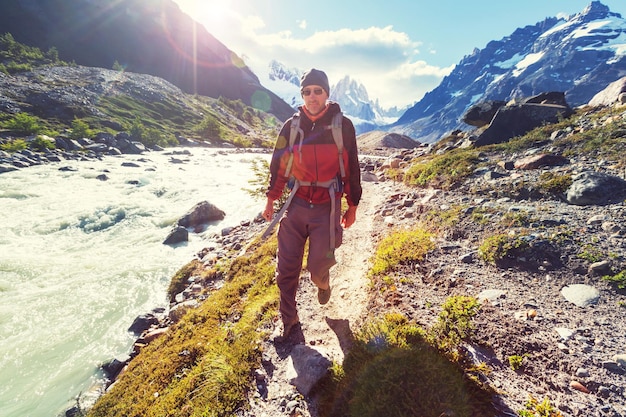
x,y
261,181
23,124
603,141
554,183
80,129
209,127
203,365
393,370
444,218
618,279
442,171
14,145
515,219
499,247
483,215
401,247
590,253
180,280
16,57
149,136
534,408
454,324
41,144
154,121
516,361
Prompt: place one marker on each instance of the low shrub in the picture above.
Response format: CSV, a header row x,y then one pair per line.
x,y
499,247
442,171
392,370
534,408
401,247
618,279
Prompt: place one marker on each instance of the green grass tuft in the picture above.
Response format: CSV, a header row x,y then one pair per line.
x,y
401,247
442,171
392,370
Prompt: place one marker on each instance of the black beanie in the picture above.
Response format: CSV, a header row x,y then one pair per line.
x,y
315,77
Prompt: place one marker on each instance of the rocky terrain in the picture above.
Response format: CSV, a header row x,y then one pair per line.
x,y
547,306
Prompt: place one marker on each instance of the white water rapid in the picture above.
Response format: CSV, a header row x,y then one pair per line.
x,y
80,258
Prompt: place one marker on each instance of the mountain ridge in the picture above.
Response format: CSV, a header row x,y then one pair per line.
x,y
580,56
144,36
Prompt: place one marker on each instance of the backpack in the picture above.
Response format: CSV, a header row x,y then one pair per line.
x,y
337,136
331,184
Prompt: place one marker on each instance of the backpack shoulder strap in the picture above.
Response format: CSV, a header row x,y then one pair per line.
x,y
338,137
293,134
295,127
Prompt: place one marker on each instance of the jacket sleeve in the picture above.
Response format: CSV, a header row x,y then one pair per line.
x,y
352,187
278,163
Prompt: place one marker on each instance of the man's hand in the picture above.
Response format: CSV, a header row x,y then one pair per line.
x,y
349,217
268,213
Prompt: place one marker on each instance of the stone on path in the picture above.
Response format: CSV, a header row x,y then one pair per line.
x,y
580,294
306,366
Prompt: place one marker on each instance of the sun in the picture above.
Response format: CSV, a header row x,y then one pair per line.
x,y
211,13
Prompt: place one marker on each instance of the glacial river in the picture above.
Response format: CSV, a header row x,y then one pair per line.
x,y
80,258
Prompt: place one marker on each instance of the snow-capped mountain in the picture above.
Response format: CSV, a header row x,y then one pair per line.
x,y
579,56
351,95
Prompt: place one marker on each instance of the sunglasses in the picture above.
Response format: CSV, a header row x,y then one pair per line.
x,y
316,91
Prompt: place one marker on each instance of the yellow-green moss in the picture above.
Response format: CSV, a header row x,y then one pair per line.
x,y
392,370
498,247
401,247
442,171
202,366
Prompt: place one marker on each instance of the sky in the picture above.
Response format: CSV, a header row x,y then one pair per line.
x,y
398,49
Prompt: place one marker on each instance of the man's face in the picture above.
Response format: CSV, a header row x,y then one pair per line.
x,y
314,98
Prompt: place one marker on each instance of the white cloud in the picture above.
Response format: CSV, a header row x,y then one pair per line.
x,y
383,59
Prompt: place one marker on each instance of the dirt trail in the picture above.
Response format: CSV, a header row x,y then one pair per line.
x,y
328,326
327,329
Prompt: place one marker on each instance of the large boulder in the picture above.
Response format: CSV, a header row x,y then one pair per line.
x,y
550,97
202,213
518,119
482,113
595,188
613,93
177,235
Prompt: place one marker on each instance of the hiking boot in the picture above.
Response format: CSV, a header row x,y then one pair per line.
x,y
323,295
289,332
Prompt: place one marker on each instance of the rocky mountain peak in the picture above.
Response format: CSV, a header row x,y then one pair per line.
x,y
578,56
596,10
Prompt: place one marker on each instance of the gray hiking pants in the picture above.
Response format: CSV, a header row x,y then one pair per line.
x,y
301,221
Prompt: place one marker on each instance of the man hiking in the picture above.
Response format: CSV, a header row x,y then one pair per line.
x,y
317,150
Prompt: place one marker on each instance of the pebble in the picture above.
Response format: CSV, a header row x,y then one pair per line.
x,y
581,294
578,387
491,295
621,360
566,334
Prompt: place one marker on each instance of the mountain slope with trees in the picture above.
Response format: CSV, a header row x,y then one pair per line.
x,y
141,36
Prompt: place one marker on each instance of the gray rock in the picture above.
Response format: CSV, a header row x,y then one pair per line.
x,y
177,235
600,268
592,188
580,294
491,295
201,213
7,168
307,365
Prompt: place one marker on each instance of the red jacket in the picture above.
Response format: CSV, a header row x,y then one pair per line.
x,y
318,160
